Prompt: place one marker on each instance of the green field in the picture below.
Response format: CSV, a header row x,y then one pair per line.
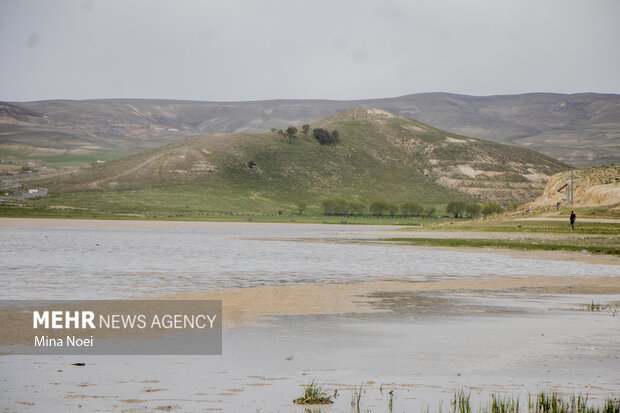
x,y
62,159
12,210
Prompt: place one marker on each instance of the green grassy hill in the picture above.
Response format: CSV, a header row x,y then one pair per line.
x,y
379,156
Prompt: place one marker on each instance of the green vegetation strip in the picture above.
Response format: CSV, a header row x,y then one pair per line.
x,y
87,213
548,227
591,245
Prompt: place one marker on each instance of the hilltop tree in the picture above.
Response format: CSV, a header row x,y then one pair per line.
x,y
291,132
456,208
305,129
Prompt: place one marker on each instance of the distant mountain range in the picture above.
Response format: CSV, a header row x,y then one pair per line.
x,y
582,129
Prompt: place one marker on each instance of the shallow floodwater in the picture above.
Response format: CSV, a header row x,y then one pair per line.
x,y
113,259
423,346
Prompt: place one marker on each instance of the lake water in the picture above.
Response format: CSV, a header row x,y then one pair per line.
x,y
113,259
424,345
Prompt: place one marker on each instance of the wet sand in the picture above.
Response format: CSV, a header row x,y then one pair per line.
x,y
243,306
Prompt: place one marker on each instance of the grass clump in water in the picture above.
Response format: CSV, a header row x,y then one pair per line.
x,y
313,394
552,402
461,402
611,406
543,402
597,307
501,404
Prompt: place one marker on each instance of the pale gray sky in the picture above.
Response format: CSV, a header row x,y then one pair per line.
x,y
334,49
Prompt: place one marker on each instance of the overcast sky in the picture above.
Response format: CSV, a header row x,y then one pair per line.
x,y
228,50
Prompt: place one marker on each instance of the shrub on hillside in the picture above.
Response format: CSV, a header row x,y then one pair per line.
x,y
325,137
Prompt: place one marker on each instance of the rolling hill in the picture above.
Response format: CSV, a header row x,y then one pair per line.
x,y
380,155
582,129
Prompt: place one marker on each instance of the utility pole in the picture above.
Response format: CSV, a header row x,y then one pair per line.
x,y
572,200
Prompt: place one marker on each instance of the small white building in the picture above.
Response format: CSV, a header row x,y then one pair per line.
x,y
35,193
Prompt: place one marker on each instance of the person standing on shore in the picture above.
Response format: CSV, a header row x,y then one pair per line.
x,y
572,219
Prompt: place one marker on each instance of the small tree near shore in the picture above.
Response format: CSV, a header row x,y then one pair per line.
x,y
472,210
411,208
378,207
392,209
301,205
456,208
489,208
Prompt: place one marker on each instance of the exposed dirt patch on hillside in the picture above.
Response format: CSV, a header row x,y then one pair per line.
x,y
596,186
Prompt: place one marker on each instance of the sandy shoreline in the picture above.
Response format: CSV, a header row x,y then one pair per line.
x,y
255,305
